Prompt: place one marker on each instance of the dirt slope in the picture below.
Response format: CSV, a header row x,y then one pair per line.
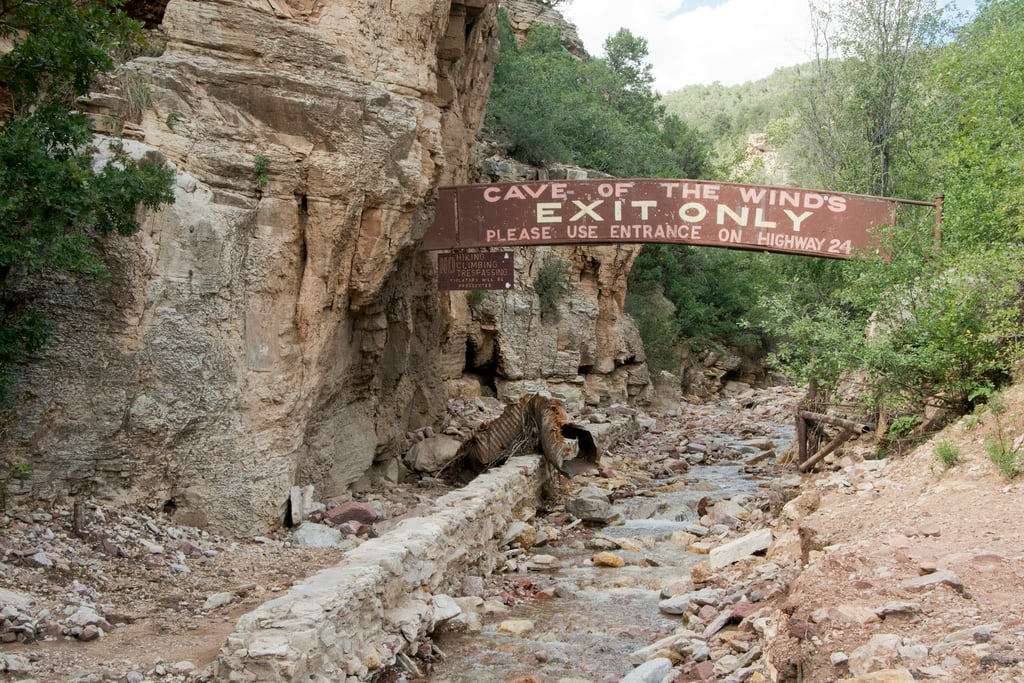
x,y
872,597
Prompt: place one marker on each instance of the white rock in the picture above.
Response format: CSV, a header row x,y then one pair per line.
x,y
516,627
649,672
151,548
272,645
84,616
15,599
317,535
741,548
445,608
878,653
676,605
218,600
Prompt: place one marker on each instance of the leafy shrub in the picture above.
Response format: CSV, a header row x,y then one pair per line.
x,y
551,285
598,113
55,203
1002,451
260,164
1008,460
475,297
902,426
948,454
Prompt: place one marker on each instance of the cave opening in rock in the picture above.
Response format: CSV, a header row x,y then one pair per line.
x,y
481,364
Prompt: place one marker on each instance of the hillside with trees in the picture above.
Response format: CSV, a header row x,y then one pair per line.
x,y
900,100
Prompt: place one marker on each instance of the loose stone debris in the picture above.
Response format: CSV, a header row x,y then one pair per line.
x,y
845,590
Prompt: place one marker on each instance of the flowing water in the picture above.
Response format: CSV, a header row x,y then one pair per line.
x,y
599,615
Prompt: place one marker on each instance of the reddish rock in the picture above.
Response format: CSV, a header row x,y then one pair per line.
x,y
743,609
546,593
802,630
90,632
352,511
705,671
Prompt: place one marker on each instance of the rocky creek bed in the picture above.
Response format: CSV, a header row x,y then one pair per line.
x,y
689,557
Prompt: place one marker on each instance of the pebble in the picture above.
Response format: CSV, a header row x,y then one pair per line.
x,y
606,559
516,627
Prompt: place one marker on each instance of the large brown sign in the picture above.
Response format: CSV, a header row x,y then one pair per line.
x,y
764,218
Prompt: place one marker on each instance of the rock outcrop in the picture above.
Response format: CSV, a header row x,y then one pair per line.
x,y
276,325
523,14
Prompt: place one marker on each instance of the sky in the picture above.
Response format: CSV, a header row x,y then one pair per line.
x,y
703,41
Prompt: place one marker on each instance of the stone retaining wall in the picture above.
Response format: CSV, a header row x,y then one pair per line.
x,y
349,621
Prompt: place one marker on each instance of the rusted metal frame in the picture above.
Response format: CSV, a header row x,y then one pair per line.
x,y
842,437
534,420
856,427
938,205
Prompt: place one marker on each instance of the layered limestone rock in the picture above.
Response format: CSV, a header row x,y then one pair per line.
x,y
276,325
585,351
523,14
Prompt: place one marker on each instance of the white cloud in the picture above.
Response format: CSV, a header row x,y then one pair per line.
x,y
733,42
737,41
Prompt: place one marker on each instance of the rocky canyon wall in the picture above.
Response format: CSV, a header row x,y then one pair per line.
x,y
278,325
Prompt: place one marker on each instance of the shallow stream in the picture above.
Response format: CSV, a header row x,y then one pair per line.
x,y
599,615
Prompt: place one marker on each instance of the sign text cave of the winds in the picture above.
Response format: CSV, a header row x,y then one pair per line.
x,y
764,218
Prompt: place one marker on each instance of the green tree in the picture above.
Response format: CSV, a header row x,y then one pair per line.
x,y
932,325
979,136
599,113
53,201
626,55
713,295
859,115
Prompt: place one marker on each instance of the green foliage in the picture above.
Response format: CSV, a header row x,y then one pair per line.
x,y
599,113
930,325
551,285
260,164
903,425
1004,453
654,317
862,111
980,147
726,116
172,119
475,297
54,202
1008,460
711,291
948,454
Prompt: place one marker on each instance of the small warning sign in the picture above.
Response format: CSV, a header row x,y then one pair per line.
x,y
462,270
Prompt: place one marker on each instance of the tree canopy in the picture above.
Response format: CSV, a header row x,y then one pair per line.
x,y
599,113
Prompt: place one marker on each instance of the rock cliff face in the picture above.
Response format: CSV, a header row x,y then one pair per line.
x,y
584,350
278,326
523,14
